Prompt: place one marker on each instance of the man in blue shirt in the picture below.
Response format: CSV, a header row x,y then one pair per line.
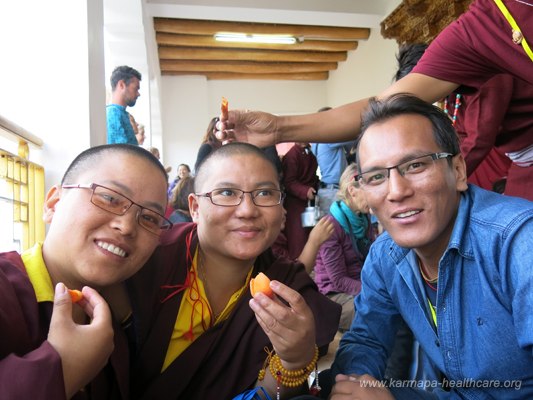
x,y
454,263
125,84
331,158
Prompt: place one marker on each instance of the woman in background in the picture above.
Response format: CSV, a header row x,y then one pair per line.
x,y
341,257
209,143
179,200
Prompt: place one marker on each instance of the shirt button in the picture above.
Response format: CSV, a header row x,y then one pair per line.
x,y
449,354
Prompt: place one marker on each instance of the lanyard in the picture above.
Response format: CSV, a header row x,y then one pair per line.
x,y
433,312
515,27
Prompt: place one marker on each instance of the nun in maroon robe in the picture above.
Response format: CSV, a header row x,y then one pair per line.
x,y
225,360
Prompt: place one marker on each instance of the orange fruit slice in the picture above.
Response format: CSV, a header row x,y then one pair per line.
x,y
261,284
75,295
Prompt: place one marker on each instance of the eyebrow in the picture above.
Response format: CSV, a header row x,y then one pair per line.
x,y
258,185
405,158
126,191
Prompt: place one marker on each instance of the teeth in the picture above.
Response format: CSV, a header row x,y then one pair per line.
x,y
407,214
112,248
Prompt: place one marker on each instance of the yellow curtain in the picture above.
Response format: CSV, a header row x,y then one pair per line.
x,y
22,187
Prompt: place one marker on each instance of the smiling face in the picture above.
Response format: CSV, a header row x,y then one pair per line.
x,y
183,171
240,232
419,214
86,245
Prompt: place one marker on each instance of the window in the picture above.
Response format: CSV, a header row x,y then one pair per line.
x,y
21,202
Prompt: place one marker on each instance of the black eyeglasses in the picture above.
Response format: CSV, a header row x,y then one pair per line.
x,y
229,197
414,169
116,203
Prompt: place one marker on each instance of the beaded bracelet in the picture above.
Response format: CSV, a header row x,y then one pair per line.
x,y
286,377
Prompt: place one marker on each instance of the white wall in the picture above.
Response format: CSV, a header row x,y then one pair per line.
x,y
367,71
189,103
51,83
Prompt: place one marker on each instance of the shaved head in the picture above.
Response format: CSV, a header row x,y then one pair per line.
x,y
227,151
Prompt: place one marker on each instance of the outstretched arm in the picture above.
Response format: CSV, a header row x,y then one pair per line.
x,y
336,125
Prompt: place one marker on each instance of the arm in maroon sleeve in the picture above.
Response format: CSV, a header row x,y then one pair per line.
x,y
30,368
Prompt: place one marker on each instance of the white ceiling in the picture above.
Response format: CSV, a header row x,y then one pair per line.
x,y
379,7
356,13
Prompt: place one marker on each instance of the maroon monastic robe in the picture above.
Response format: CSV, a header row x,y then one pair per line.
x,y
299,174
30,368
226,359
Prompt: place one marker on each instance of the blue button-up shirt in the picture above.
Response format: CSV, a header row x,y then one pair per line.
x,y
331,158
119,129
483,341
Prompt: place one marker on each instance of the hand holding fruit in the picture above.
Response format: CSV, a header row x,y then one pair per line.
x,y
290,325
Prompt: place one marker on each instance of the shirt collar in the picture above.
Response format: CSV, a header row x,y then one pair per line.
x,y
38,273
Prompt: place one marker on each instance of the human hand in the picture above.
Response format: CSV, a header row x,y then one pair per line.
x,y
256,127
311,193
359,387
322,231
291,329
84,349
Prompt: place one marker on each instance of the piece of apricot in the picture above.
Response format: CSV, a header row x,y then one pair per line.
x,y
75,295
224,108
261,283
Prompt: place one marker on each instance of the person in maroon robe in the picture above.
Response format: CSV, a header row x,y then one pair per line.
x,y
51,348
492,121
200,334
300,181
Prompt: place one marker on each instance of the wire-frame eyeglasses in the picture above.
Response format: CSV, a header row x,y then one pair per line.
x,y
230,197
118,204
414,169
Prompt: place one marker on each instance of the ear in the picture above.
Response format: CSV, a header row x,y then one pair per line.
x,y
352,190
193,207
50,202
459,169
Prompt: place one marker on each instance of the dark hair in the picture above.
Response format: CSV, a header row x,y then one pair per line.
x,y
86,159
229,150
180,194
186,166
123,73
407,57
209,136
404,104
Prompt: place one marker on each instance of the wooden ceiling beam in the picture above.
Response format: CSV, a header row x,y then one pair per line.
x,y
243,66
181,53
170,39
308,76
206,27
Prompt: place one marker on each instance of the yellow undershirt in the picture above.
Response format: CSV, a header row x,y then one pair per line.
x,y
38,273
179,340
